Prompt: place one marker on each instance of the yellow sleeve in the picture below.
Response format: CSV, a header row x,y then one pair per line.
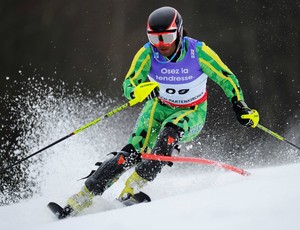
x,y
216,70
138,71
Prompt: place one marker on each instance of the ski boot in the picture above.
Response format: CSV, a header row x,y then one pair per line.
x,y
80,200
129,196
75,204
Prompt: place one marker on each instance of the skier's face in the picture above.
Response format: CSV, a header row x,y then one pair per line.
x,y
166,51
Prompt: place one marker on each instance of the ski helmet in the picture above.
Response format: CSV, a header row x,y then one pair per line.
x,y
165,26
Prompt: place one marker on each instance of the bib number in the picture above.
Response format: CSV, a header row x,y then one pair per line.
x,y
173,91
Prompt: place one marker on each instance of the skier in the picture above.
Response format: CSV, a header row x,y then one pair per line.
x,y
175,111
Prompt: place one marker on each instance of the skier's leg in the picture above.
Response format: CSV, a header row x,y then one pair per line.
x,y
147,126
147,170
168,138
188,122
110,170
107,173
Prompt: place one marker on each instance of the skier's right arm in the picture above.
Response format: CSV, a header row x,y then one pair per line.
x,y
138,71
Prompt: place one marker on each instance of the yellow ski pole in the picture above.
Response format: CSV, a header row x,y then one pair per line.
x,y
255,118
276,135
140,94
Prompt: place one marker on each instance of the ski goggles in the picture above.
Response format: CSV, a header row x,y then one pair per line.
x,y
163,38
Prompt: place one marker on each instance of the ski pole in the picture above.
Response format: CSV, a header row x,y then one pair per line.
x,y
276,135
69,135
140,94
255,118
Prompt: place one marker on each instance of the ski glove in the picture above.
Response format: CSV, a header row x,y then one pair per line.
x,y
245,115
154,93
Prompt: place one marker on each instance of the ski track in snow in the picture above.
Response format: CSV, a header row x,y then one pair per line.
x,y
181,199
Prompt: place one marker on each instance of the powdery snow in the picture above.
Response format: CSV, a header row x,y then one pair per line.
x,y
181,199
184,196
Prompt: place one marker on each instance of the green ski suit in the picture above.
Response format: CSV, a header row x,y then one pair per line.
x,y
156,113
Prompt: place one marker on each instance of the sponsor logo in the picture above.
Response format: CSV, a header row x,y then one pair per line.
x,y
174,75
187,101
192,53
173,78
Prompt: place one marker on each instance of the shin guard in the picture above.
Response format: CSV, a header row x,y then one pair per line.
x,y
167,140
110,170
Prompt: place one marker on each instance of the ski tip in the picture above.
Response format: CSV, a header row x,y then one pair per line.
x,y
141,197
136,199
58,211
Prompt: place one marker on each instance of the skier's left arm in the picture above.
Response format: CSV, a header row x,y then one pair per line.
x,y
216,70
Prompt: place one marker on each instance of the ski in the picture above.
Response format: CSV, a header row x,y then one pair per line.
x,y
58,211
62,213
136,199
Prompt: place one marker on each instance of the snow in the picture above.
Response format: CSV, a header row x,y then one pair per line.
x,y
181,199
184,196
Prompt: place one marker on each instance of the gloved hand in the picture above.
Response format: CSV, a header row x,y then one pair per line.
x,y
245,115
154,93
